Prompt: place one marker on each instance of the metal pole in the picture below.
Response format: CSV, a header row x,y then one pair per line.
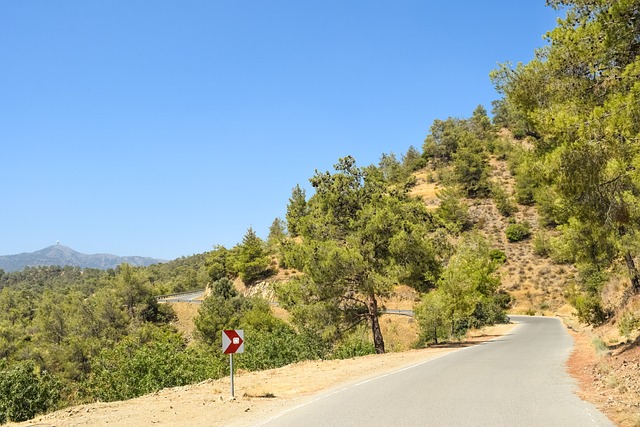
x,y
231,365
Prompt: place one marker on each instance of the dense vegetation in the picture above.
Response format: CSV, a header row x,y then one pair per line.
x,y
578,104
69,335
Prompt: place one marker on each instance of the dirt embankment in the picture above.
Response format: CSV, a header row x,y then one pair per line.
x,y
607,377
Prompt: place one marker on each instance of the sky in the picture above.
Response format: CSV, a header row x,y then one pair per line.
x,y
163,128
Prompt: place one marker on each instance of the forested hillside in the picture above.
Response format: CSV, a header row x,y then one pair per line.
x,y
578,105
555,169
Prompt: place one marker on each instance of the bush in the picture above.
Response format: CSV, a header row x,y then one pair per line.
x,y
354,345
497,255
542,244
279,347
152,360
431,316
25,392
590,310
628,323
502,200
517,232
453,212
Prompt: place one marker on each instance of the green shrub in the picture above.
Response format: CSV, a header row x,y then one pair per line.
x,y
502,200
497,255
452,213
489,311
590,310
517,232
25,392
628,323
279,347
355,345
151,360
542,244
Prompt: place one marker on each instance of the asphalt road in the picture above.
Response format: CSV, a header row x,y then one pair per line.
x,y
516,380
185,297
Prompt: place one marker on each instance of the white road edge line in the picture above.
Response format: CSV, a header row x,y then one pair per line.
x,y
406,368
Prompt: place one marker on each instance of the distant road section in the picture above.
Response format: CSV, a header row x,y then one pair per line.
x,y
192,297
516,380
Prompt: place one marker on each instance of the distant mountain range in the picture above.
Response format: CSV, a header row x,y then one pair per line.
x,y
63,255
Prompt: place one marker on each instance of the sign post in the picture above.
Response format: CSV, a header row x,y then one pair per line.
x,y
232,342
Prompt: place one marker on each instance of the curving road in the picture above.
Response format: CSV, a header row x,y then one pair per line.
x,y
191,297
516,380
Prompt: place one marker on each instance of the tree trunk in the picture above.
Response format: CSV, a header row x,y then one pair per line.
x,y
378,341
435,332
634,275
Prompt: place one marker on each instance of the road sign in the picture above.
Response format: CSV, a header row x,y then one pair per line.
x,y
233,341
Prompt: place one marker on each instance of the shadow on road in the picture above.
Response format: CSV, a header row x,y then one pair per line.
x,y
468,343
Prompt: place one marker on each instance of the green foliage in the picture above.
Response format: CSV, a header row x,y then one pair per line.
x,y
278,346
148,361
355,344
270,343
490,310
590,310
412,160
442,141
432,316
528,175
296,210
585,297
391,168
398,172
453,213
463,144
218,263
218,313
277,234
466,294
471,167
132,287
579,97
180,275
152,311
505,115
542,244
628,324
502,200
517,232
481,124
498,256
551,206
250,260
359,237
79,330
26,392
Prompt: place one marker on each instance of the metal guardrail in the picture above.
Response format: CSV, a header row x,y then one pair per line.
x,y
408,313
178,294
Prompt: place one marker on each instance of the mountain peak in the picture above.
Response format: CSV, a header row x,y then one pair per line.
x,y
65,256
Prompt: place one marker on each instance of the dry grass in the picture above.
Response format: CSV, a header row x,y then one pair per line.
x,y
185,313
426,190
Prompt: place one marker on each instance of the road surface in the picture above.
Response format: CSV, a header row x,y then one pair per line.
x,y
191,297
516,380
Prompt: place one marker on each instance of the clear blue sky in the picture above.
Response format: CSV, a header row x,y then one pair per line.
x,y
162,128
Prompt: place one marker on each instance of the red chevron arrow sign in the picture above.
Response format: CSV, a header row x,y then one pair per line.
x,y
233,341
